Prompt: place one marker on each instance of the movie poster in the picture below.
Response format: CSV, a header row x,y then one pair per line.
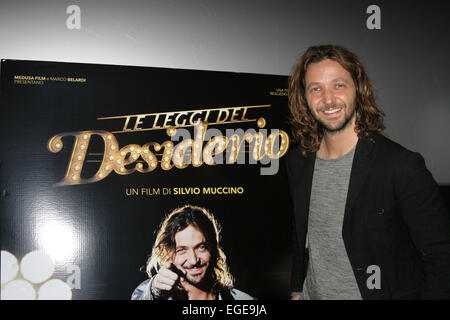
x,y
93,157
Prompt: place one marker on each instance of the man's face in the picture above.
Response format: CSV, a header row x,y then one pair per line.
x,y
330,93
191,253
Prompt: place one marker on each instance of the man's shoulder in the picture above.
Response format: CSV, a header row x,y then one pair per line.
x,y
296,164
140,290
294,156
381,143
240,295
389,148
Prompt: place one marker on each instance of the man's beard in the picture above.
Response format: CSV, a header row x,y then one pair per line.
x,y
204,283
341,126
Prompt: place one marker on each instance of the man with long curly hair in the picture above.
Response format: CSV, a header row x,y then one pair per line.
x,y
187,261
369,220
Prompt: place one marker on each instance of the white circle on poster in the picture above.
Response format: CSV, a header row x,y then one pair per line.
x,y
18,290
55,289
9,267
37,266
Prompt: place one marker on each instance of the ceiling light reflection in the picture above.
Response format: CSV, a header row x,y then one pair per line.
x,y
57,238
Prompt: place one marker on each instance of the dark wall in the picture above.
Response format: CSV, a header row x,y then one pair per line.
x,y
445,191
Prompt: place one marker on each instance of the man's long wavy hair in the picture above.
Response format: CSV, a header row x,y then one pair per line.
x,y
305,128
179,219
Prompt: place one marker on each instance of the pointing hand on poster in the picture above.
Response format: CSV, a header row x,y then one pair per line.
x,y
166,279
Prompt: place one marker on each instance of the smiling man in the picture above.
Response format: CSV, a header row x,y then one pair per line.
x,y
369,219
187,261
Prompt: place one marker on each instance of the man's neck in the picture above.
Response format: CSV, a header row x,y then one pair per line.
x,y
337,144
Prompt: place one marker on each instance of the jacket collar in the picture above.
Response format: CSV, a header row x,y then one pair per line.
x,y
359,173
305,179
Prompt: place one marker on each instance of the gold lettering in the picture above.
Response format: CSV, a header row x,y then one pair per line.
x,y
80,146
197,147
131,191
283,145
223,190
149,158
138,122
236,144
168,118
166,157
126,156
180,153
121,160
222,111
234,114
207,115
125,127
191,119
177,124
155,122
213,147
244,113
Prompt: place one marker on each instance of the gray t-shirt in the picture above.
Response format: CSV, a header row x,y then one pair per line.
x,y
329,275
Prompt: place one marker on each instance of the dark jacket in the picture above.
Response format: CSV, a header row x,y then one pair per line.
x,y
143,292
394,218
